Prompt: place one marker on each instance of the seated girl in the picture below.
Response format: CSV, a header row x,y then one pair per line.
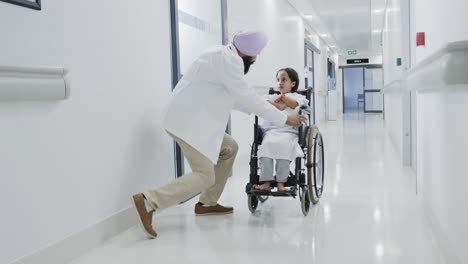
x,y
280,143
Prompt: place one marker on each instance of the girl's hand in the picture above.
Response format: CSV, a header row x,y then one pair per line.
x,y
280,98
289,102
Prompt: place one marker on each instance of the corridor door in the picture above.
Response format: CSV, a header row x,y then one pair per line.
x,y
373,84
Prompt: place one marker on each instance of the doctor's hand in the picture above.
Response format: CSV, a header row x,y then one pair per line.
x,y
295,120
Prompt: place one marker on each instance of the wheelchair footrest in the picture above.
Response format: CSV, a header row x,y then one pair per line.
x,y
291,192
259,192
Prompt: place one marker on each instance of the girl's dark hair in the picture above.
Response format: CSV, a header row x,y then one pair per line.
x,y
292,75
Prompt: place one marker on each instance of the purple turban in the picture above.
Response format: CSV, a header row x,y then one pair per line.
x,y
250,43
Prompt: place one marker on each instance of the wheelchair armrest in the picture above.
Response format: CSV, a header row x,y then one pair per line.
x,y
302,134
259,135
305,109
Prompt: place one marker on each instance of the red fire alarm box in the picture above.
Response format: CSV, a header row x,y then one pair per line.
x,y
420,39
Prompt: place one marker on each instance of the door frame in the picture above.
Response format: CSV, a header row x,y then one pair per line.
x,y
175,66
363,66
311,47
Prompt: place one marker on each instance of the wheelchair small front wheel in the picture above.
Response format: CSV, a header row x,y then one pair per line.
x,y
262,199
305,200
252,203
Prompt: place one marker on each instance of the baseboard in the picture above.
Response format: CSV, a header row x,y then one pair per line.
x,y
78,244
442,240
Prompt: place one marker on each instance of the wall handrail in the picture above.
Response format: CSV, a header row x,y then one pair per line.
x,y
448,67
26,83
393,87
32,70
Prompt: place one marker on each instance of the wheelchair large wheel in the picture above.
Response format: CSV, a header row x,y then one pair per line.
x,y
316,164
252,203
305,200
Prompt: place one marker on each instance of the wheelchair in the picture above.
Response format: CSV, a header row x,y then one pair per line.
x,y
307,179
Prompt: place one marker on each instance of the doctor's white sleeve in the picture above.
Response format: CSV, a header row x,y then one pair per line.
x,y
240,107
246,99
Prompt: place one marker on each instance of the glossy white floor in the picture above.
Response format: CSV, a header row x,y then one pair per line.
x,y
369,213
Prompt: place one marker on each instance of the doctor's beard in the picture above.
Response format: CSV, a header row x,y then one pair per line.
x,y
247,62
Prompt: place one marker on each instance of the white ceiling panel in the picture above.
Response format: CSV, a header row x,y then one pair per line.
x,y
352,24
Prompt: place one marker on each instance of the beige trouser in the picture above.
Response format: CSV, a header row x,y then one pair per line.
x,y
205,177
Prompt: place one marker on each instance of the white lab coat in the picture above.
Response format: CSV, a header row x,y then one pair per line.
x,y
202,101
281,142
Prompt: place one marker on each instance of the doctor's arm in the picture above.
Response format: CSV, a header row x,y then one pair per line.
x,y
279,105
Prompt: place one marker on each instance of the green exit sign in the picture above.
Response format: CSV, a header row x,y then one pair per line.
x,y
352,52
398,61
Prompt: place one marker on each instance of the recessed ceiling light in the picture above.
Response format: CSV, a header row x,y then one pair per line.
x,y
388,10
376,31
393,9
309,17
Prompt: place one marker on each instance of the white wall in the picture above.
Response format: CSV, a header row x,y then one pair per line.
x,y
320,72
393,109
339,91
396,44
442,181
393,119
441,134
68,165
206,29
392,49
441,145
437,127
392,42
321,83
448,25
285,32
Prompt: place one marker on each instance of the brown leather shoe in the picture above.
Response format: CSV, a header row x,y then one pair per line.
x,y
212,210
145,218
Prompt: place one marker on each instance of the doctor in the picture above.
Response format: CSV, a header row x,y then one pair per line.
x,y
196,117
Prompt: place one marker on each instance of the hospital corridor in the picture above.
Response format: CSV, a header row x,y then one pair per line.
x,y
233,131
369,215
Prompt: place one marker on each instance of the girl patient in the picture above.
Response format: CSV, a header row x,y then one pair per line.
x,y
280,143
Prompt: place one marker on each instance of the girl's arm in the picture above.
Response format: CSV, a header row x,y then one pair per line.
x,y
280,106
290,102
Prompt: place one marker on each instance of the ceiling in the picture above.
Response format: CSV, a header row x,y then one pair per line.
x,y
346,24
